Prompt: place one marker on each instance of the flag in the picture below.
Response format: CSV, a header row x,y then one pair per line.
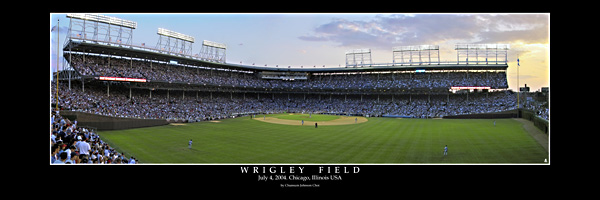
x,y
518,64
53,28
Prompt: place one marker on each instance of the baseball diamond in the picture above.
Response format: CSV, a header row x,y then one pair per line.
x,y
148,105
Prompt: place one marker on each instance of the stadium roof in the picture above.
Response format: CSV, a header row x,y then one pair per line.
x,y
153,54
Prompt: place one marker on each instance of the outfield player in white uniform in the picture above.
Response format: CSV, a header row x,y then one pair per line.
x,y
190,144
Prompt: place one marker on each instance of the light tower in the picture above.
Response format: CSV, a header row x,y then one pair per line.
x,y
482,53
175,43
422,54
100,28
213,51
358,57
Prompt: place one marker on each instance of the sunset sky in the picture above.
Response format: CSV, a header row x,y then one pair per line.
x,y
308,39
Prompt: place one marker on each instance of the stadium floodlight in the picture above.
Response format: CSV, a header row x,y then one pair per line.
x,y
420,51
358,57
358,51
482,46
173,34
478,52
416,48
214,44
174,42
100,28
104,19
213,51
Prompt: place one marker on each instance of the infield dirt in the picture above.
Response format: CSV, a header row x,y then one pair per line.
x,y
343,120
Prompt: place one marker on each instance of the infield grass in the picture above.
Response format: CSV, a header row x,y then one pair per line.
x,y
380,140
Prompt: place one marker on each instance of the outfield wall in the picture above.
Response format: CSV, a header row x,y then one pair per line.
x,y
540,123
102,122
503,114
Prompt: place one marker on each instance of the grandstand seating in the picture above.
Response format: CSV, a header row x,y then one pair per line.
x,y
192,94
102,66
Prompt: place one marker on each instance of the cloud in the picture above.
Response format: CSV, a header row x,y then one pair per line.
x,y
523,28
387,31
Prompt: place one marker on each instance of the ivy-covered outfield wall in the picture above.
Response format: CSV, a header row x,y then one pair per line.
x,y
540,123
102,122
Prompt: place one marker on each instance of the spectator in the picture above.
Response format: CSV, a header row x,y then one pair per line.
x,y
53,152
74,158
62,158
83,146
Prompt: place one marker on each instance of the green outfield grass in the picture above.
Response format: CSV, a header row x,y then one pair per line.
x,y
380,140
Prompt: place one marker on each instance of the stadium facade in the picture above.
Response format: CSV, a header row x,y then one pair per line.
x,y
107,67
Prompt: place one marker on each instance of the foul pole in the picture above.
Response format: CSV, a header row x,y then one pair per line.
x,y
57,54
518,87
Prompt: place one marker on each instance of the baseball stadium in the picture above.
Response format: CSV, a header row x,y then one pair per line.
x,y
165,104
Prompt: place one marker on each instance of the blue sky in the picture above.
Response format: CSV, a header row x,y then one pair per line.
x,y
309,39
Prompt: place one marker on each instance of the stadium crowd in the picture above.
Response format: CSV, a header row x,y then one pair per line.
x,y
105,66
201,106
78,145
71,144
95,100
